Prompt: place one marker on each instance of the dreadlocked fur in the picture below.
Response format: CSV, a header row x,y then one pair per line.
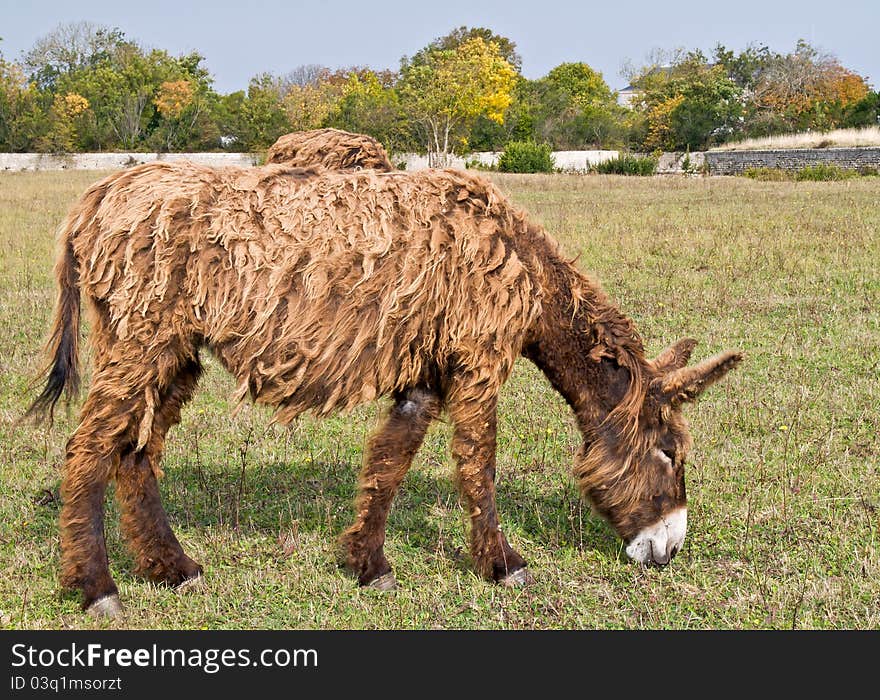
x,y
333,149
320,290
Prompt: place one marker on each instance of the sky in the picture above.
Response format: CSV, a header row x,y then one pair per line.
x,y
240,39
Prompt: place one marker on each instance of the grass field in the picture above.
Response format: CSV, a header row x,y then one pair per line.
x,y
784,487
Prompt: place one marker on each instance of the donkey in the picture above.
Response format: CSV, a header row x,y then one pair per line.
x,y
333,149
320,290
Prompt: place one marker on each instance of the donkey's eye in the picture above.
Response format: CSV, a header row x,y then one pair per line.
x,y
670,455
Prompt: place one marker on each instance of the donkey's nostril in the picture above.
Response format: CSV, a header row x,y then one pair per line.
x,y
661,560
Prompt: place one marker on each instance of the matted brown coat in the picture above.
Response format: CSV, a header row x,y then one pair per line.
x,y
333,149
321,290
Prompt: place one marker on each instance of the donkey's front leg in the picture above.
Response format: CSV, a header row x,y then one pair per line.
x,y
473,447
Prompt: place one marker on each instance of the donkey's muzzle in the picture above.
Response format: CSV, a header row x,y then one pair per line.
x,y
657,544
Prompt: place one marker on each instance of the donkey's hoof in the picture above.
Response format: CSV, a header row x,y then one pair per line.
x,y
386,582
518,579
191,585
107,607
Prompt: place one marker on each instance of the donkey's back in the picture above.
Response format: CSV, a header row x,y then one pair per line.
x,y
316,290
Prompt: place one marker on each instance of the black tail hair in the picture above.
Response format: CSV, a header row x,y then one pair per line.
x,y
62,372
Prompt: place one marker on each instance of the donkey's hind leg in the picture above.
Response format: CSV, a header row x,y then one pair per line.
x,y
157,552
389,455
107,429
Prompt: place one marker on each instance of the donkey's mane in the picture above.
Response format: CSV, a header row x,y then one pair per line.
x,y
603,334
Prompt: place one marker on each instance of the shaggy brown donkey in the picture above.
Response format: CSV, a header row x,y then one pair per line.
x,y
333,149
323,290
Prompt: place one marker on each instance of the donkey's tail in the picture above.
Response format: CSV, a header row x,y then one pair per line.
x,y
62,348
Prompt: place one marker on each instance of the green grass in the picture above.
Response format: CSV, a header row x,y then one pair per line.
x,y
784,488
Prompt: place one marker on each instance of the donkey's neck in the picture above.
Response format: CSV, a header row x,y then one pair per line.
x,y
591,353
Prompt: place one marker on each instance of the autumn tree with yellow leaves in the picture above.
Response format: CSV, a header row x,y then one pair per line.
x,y
445,90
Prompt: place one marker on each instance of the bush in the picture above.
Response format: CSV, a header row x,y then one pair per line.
x,y
823,172
526,157
766,174
476,164
628,165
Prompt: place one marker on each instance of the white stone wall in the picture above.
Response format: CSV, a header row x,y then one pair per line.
x,y
114,161
569,161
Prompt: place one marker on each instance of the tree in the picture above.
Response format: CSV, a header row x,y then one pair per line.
x,y
805,89
124,93
61,135
310,106
576,108
69,48
747,67
178,111
584,86
448,89
865,112
691,104
263,116
519,123
370,105
22,120
463,34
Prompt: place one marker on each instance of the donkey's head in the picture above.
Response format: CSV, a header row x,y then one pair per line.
x,y
631,466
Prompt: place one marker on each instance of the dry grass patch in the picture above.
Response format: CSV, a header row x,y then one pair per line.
x,y
838,138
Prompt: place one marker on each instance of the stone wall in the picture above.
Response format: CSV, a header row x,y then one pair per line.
x,y
114,161
717,162
569,161
735,162
674,162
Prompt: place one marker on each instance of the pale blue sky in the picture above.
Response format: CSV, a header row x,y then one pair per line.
x,y
240,39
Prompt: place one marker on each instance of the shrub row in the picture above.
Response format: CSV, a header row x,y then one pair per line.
x,y
821,172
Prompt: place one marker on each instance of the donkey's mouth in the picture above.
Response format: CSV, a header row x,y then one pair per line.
x,y
657,544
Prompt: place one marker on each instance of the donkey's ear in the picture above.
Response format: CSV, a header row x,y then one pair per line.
x,y
675,356
687,383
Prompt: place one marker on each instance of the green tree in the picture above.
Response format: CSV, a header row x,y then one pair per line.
x,y
583,85
745,68
68,48
311,106
447,90
573,108
22,119
463,34
263,116
371,105
120,81
865,112
519,123
691,104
